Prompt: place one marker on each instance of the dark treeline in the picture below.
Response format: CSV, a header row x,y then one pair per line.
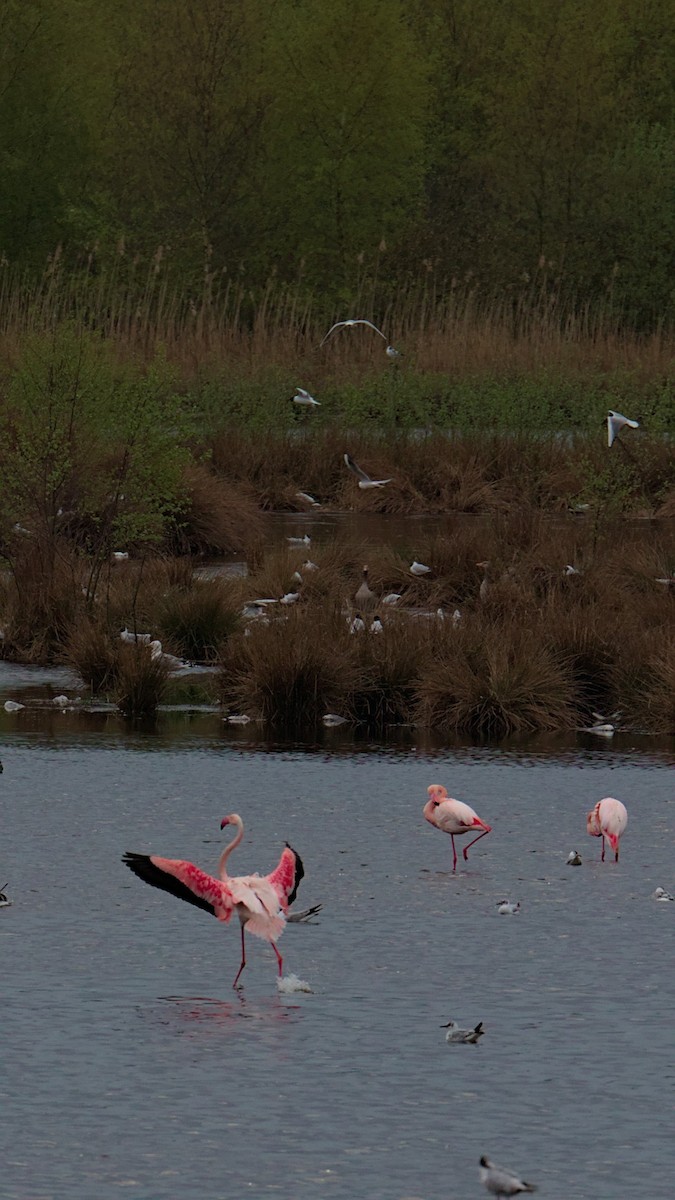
x,y
343,145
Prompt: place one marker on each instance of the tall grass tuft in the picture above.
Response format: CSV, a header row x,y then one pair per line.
x,y
290,672
197,621
140,681
92,652
494,681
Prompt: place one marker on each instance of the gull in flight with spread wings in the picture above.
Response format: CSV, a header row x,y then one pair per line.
x,y
364,480
391,351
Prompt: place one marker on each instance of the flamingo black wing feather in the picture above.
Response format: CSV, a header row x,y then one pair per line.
x,y
142,865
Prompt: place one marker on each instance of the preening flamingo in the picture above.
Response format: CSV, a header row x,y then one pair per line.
x,y
453,817
608,820
260,901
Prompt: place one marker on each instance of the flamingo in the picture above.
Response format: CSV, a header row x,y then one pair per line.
x,y
608,820
261,901
453,817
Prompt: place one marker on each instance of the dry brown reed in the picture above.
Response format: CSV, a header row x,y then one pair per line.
x,y
140,681
441,324
198,620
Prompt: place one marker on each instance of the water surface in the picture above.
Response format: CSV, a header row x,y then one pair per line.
x,y
130,1066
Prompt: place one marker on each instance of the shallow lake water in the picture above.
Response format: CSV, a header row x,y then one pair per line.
x,y
131,1067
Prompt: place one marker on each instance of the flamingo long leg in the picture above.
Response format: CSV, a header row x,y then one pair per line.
x,y
466,849
602,856
279,958
243,958
454,852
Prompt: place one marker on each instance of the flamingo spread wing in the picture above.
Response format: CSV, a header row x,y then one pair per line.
x,y
286,876
184,880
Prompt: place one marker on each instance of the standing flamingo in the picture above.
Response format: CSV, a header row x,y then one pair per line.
x,y
261,901
608,820
453,817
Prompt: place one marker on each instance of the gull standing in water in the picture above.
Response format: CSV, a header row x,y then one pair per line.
x,y
391,351
365,481
615,422
502,1182
455,1035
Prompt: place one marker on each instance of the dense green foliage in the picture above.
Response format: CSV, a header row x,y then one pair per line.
x,y
521,145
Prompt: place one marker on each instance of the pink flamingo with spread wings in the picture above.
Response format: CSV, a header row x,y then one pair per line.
x,y
260,901
453,817
608,820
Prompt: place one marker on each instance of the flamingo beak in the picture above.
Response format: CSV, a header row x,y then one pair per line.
x,y
225,821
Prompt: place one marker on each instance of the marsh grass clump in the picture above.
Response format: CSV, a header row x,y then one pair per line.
x,y
140,681
291,671
652,701
493,681
387,670
216,516
196,621
42,599
94,654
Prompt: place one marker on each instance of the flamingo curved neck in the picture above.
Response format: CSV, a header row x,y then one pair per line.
x,y
222,863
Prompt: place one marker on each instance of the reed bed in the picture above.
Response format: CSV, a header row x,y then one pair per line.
x,y
541,648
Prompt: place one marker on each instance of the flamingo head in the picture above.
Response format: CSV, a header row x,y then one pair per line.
x,y
233,819
593,823
437,793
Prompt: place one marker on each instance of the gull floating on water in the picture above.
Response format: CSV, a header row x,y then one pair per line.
x,y
364,479
417,568
299,541
617,421
573,859
308,499
332,720
467,1036
662,895
501,1181
60,701
13,706
238,719
304,398
4,899
508,907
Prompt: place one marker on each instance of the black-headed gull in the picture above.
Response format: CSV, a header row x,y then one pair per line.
x,y
364,479
376,625
332,720
573,859
302,397
299,541
305,917
418,568
392,598
358,625
617,421
662,895
390,351
467,1036
4,899
308,499
127,636
501,1181
290,598
508,907
309,565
